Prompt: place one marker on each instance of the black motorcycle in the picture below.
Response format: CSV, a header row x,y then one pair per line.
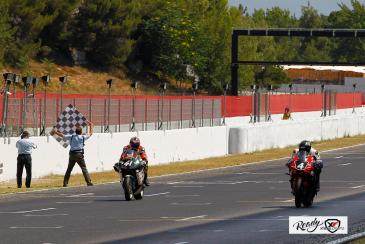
x,y
133,175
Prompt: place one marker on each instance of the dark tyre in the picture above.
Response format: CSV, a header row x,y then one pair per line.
x,y
139,196
298,192
128,190
308,202
298,201
308,199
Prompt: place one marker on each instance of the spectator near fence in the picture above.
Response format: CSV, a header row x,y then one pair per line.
x,y
25,147
287,114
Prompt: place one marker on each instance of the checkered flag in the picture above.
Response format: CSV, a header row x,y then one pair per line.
x,y
67,122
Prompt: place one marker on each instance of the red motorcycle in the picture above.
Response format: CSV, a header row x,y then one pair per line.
x,y
303,179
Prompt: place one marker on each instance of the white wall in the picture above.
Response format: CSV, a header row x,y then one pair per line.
x,y
103,150
239,136
297,116
279,134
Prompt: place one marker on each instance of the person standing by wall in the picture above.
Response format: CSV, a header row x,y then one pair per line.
x,y
25,147
76,155
287,114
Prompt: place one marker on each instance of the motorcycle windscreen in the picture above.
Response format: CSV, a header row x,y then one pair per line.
x,y
302,160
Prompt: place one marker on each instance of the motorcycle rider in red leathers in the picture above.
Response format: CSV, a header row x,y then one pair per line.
x,y
318,163
135,145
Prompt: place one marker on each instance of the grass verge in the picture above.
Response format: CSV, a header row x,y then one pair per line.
x,y
179,167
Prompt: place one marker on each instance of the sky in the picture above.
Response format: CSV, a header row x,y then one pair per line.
x,y
323,6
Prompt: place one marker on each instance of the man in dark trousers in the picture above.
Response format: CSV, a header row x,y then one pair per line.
x,y
77,153
25,147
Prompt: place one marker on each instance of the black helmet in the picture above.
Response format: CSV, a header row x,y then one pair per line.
x,y
305,146
134,142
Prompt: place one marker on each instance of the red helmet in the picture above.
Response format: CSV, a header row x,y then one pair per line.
x,y
134,142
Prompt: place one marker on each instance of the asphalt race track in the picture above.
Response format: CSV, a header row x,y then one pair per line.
x,y
245,204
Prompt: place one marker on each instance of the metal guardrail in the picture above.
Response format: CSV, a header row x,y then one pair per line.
x,y
124,114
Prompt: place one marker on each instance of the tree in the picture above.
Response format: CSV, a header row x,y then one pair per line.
x,y
104,29
6,31
168,41
56,35
27,18
348,49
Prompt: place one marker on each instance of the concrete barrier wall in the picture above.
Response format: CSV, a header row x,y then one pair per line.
x,y
279,134
103,150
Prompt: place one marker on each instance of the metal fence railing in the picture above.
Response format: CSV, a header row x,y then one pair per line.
x,y
38,116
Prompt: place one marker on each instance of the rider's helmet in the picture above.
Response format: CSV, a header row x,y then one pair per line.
x,y
305,146
134,142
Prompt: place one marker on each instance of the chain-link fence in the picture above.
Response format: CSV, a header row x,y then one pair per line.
x,y
38,116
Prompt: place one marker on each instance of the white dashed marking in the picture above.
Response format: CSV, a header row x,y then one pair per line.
x,y
36,227
344,164
355,187
194,217
29,211
191,204
157,194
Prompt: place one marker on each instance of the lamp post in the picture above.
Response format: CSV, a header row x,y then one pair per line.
x,y
225,89
109,84
353,98
46,79
8,79
253,104
290,97
15,82
63,80
162,90
27,81
269,90
134,87
323,101
195,87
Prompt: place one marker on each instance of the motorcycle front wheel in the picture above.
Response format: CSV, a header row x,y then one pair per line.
x,y
128,189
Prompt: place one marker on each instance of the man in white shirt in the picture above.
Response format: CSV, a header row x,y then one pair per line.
x,y
76,155
25,147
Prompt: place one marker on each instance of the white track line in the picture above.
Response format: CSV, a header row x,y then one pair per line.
x,y
344,164
29,211
81,195
73,202
157,194
338,157
347,239
45,215
356,187
194,217
191,204
36,227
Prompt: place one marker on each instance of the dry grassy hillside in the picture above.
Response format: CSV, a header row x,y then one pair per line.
x,y
84,81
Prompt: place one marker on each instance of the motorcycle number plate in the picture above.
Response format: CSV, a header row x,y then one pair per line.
x,y
300,166
127,164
